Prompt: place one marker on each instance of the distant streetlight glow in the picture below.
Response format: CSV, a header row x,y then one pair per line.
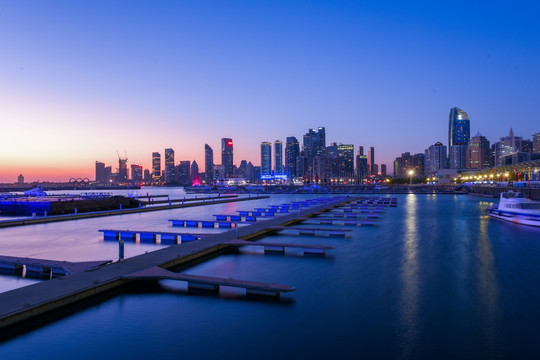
x,y
411,173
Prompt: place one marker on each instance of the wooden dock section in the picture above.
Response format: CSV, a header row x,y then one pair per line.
x,y
166,237
280,247
25,303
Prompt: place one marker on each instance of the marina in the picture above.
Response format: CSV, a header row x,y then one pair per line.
x,y
381,287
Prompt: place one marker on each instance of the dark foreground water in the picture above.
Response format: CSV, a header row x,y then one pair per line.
x,y
435,279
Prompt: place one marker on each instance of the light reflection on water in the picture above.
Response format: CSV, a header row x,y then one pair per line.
x,y
435,278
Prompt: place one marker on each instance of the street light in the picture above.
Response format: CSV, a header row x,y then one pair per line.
x,y
411,173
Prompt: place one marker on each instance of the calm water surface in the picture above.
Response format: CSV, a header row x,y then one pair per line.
x,y
436,278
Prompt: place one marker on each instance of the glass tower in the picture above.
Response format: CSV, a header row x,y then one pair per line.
x,y
227,157
266,158
459,127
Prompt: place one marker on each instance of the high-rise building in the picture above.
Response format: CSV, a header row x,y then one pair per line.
x,y
122,170
242,169
526,146
292,151
170,169
278,157
156,167
536,143
147,176
184,173
435,158
361,165
100,172
383,170
346,161
195,173
314,146
507,145
266,158
209,164
458,156
227,157
136,173
458,127
478,153
371,162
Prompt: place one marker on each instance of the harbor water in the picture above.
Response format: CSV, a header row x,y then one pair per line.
x,y
435,278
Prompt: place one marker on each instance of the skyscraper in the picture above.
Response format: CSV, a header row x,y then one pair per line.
x,y
209,164
292,151
266,158
136,173
435,158
346,161
100,172
195,173
170,169
122,170
314,146
536,143
361,165
156,167
371,162
458,156
507,145
278,157
478,153
458,127
227,157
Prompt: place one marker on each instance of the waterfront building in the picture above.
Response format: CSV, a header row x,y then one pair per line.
x,y
527,146
479,153
362,171
302,168
219,172
536,143
371,162
266,158
227,157
242,170
292,151
458,156
184,173
383,170
345,155
194,173
122,170
20,179
250,172
156,167
147,176
332,161
278,157
314,145
107,174
435,158
170,169
136,173
506,145
209,164
100,172
458,127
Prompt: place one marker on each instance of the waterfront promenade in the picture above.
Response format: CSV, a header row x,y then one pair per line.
x,y
28,302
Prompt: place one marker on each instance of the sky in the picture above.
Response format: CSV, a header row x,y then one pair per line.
x,y
81,80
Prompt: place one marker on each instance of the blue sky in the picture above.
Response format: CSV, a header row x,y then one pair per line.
x,y
80,80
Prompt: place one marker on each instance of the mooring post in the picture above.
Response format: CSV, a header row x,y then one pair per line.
x,y
121,249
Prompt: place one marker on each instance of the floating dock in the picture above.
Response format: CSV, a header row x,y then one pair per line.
x,y
27,302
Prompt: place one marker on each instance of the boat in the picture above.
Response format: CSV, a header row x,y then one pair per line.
x,y
37,191
516,208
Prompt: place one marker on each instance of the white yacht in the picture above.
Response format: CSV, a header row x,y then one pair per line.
x,y
516,208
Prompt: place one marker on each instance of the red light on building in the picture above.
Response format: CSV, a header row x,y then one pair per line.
x,y
229,142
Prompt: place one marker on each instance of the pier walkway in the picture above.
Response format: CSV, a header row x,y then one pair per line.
x,y
28,302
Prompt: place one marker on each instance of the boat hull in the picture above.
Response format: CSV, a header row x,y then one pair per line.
x,y
516,219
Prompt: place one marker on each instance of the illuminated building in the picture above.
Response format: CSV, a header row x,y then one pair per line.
x,y
209,164
435,158
361,165
227,157
536,143
458,127
278,157
195,173
266,158
292,151
156,167
100,172
372,170
184,173
122,170
458,156
314,145
170,170
507,145
136,173
478,153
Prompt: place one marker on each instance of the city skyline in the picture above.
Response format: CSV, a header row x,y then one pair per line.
x,y
183,75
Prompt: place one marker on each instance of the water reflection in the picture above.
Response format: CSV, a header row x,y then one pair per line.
x,y
409,306
487,287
